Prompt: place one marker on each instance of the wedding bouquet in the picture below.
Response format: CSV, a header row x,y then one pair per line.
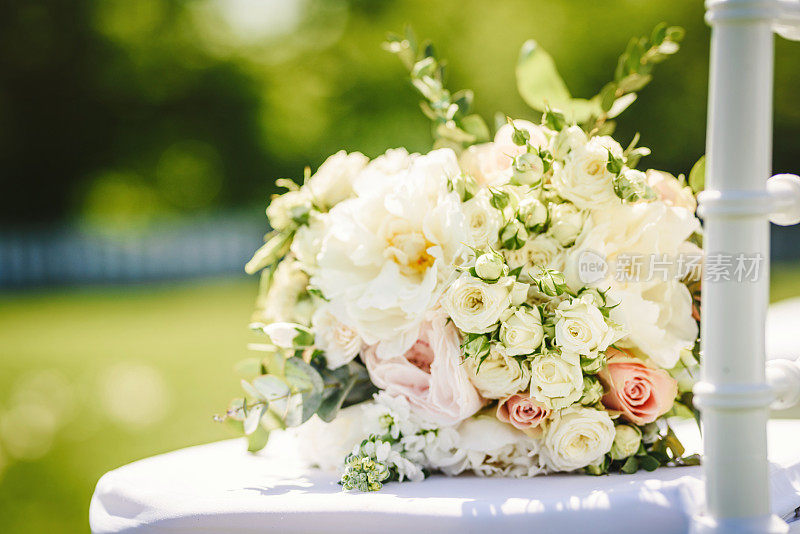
x,y
511,307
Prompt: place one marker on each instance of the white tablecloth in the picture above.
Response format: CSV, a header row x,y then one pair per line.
x,y
221,488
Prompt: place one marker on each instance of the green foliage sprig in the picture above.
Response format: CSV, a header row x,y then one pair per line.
x,y
454,125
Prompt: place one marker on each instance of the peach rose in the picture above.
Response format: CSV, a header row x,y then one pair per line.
x,y
640,393
429,375
522,411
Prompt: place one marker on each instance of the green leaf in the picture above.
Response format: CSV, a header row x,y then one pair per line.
x,y
697,176
305,379
630,466
271,387
648,463
476,126
540,85
257,440
338,383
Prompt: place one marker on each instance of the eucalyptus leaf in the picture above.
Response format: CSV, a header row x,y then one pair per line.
x,y
541,86
305,379
648,463
271,387
253,418
252,391
257,440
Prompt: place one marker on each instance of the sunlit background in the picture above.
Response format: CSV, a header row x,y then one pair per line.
x,y
139,143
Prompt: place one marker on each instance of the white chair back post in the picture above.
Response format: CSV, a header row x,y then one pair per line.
x,y
733,394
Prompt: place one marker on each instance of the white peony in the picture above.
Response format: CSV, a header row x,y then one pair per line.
x,y
556,379
643,230
499,375
333,181
475,306
584,179
383,172
566,223
577,437
495,449
483,219
658,320
521,332
581,328
334,336
388,255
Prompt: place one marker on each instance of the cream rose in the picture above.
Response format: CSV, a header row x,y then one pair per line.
x,y
499,375
483,219
584,179
626,442
429,375
578,437
581,328
474,305
557,379
521,332
334,335
567,140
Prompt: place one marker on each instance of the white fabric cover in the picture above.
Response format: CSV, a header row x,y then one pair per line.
x,y
221,488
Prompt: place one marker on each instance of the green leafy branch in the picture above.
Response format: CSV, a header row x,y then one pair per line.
x,y
454,125
542,87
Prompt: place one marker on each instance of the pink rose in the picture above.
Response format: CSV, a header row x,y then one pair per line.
x,y
522,411
429,375
670,190
640,393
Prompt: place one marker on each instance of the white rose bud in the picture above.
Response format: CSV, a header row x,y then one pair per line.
x,y
513,235
528,169
490,266
522,332
566,223
519,293
533,214
285,209
626,442
592,363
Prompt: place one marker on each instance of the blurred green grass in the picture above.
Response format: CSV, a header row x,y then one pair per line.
x,y
101,350
126,373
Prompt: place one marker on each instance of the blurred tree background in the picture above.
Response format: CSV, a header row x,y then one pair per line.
x,y
116,115
113,112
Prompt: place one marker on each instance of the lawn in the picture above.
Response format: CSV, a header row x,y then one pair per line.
x,y
91,379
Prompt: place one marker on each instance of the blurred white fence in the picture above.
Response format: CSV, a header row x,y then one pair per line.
x,y
209,246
